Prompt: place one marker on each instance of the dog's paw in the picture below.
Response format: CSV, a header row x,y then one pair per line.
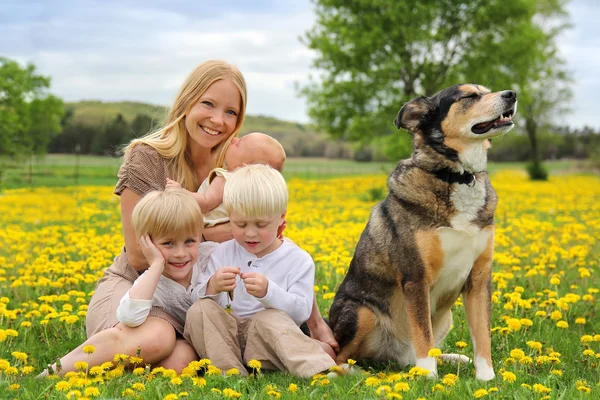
x,y
483,371
344,369
455,358
430,364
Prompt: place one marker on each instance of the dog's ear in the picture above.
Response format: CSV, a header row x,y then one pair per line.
x,y
412,113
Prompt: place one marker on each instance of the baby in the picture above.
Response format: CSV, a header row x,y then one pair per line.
x,y
254,148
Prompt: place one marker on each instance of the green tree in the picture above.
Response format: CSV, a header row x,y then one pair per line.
x,y
29,115
114,135
373,56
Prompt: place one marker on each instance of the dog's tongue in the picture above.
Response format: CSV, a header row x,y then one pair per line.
x,y
484,125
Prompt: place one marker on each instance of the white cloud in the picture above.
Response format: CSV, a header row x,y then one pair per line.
x,y
113,50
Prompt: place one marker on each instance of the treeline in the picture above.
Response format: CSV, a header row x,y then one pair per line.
x,y
106,137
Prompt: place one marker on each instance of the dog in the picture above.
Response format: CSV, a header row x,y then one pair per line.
x,y
430,240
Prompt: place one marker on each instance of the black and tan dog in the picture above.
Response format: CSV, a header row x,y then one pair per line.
x,y
431,239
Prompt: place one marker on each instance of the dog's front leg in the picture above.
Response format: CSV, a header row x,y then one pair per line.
x,y
416,295
477,298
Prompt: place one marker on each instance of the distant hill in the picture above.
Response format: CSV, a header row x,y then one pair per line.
x,y
297,139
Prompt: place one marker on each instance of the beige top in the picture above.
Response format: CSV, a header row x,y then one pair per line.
x,y
144,170
217,215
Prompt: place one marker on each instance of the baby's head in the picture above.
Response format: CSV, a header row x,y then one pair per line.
x,y
255,197
173,221
255,148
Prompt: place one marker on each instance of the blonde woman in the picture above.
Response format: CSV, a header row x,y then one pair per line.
x,y
205,118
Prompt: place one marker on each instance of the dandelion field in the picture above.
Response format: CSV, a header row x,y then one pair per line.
x,y
55,244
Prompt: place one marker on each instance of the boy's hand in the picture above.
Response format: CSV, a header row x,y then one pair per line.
x,y
171,184
256,284
153,255
223,280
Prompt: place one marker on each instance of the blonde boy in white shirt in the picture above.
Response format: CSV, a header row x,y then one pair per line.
x,y
265,281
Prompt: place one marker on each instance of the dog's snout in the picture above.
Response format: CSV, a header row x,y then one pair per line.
x,y
509,95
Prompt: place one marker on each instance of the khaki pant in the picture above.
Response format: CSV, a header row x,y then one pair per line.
x,y
117,280
270,336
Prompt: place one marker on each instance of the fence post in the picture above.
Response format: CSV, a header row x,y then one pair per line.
x,y
76,174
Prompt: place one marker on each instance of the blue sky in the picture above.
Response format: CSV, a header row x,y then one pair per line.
x,y
132,50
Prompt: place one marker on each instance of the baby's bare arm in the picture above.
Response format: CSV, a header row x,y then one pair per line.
x,y
213,196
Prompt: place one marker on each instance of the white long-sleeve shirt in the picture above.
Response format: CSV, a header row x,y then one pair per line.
x,y
289,269
169,295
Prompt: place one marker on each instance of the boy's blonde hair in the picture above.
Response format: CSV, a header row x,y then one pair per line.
x,y
170,212
255,191
172,141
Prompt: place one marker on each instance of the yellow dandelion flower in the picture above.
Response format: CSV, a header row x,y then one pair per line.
x,y
351,362
171,396
255,365
372,381
176,381
556,315
589,353
461,344
539,388
91,392
200,382
120,357
14,386
562,324
556,372
230,393
534,345
128,393
434,352
293,388
138,386
138,371
19,355
509,377
401,387
81,365
232,372
384,389
393,395
89,349
580,321
62,386
587,338
479,393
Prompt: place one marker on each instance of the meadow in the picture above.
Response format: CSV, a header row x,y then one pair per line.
x,y
56,242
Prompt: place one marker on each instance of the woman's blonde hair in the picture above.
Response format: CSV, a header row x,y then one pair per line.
x,y
255,191
167,213
172,140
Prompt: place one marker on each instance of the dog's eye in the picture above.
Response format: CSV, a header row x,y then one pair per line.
x,y
470,96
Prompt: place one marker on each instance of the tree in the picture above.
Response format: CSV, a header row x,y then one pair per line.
x,y
375,55
29,115
114,135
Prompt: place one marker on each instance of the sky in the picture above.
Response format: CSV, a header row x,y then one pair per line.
x,y
113,50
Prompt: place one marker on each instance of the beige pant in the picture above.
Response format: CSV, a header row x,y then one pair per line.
x,y
117,280
270,336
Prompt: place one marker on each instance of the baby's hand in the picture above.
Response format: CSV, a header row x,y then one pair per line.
x,y
153,255
171,184
256,284
223,280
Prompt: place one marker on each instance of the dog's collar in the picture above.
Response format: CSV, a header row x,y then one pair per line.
x,y
449,176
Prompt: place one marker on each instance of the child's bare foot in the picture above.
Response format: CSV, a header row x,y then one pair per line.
x,y
328,349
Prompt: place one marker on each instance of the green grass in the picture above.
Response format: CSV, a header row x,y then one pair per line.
x,y
56,170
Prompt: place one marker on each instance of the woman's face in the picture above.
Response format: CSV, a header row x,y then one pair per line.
x,y
214,117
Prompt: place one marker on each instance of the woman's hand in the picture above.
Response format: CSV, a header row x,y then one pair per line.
x,y
256,284
153,255
223,280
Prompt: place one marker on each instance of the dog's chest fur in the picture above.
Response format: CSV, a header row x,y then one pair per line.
x,y
461,243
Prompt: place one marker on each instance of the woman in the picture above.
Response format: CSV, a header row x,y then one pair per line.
x,y
206,115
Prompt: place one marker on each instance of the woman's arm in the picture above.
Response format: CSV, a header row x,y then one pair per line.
x,y
135,257
319,329
218,233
